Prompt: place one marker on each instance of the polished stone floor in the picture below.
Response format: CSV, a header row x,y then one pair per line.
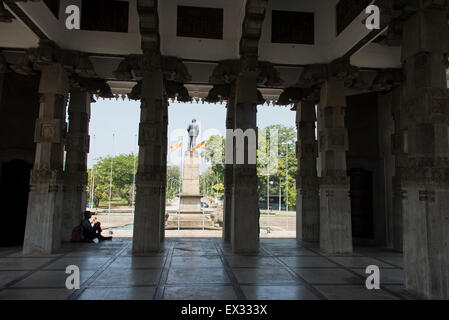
x,y
200,269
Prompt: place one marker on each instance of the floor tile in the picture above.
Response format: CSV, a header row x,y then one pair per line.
x,y
129,253
35,294
22,263
92,252
396,261
50,279
84,263
296,292
291,252
127,277
387,275
8,276
328,276
199,293
360,262
263,275
196,261
132,293
194,252
354,293
308,262
197,275
251,262
138,262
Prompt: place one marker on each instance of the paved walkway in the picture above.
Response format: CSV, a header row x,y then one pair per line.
x,y
200,269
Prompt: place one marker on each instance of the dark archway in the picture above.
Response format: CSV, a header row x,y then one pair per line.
x,y
14,189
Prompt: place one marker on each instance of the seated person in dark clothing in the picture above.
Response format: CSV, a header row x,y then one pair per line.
x,y
90,232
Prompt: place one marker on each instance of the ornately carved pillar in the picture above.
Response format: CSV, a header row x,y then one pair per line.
x,y
335,207
164,163
307,192
228,176
43,225
398,141
245,217
149,181
77,148
425,178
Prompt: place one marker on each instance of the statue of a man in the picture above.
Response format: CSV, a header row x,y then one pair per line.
x,y
193,131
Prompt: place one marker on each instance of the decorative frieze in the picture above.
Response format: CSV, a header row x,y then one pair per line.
x,y
50,131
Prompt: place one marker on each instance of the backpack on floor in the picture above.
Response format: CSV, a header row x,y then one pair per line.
x,y
76,234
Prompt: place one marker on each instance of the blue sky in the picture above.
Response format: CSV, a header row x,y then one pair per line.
x,y
121,118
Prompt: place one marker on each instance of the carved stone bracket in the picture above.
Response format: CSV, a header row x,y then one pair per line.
x,y
48,52
95,86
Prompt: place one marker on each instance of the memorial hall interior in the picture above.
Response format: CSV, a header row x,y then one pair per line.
x,y
371,109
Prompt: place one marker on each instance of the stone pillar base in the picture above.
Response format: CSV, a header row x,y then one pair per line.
x,y
146,234
245,221
425,247
308,226
74,205
335,219
43,223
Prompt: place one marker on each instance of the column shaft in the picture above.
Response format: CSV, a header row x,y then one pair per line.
x,y
77,147
245,217
307,192
425,171
228,176
149,182
164,164
43,225
398,139
335,207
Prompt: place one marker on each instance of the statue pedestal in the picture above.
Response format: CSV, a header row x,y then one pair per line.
x,y
190,214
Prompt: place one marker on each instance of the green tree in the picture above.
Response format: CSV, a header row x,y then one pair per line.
x,y
212,180
278,173
173,181
122,178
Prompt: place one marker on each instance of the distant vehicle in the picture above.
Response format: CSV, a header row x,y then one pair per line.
x,y
204,205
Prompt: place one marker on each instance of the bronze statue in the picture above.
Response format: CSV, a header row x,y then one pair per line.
x,y
193,131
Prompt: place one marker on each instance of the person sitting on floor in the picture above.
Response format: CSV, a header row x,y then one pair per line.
x,y
90,232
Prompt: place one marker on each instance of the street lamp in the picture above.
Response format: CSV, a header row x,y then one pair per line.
x,y
268,192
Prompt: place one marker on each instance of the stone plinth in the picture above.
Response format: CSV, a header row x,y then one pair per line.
x,y
190,213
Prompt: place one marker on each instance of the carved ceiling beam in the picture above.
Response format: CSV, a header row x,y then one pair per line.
x,y
149,25
252,27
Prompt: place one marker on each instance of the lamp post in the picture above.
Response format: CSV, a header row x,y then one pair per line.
x,y
280,195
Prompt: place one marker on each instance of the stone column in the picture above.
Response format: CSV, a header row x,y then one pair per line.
x,y
228,176
77,148
425,174
307,191
398,140
335,206
43,225
147,217
164,164
245,217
